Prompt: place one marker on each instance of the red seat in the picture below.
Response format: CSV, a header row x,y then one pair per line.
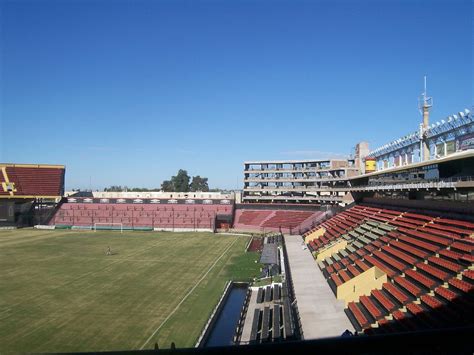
x,y
395,292
371,307
362,265
446,293
408,248
440,233
352,269
418,216
465,248
384,301
453,222
433,271
431,301
390,261
449,265
369,248
402,224
422,279
385,239
414,309
345,262
343,274
469,274
361,252
450,254
398,315
337,280
426,317
427,246
450,229
390,272
401,255
391,212
427,237
411,221
408,286
358,315
378,244
461,285
353,257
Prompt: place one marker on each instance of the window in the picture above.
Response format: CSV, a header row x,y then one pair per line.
x,y
450,147
440,149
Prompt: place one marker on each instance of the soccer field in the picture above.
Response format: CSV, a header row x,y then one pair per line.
x,y
59,292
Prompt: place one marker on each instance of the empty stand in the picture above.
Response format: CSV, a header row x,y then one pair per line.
x,y
145,215
34,180
286,221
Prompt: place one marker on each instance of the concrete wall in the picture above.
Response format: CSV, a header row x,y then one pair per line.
x,y
160,194
315,235
361,285
331,250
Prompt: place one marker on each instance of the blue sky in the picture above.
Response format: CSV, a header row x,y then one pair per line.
x,y
128,92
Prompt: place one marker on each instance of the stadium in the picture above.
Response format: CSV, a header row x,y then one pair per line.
x,y
379,244
227,177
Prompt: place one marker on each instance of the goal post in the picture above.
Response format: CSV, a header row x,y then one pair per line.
x,y
108,227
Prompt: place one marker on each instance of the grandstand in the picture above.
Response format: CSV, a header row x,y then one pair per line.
x,y
286,221
175,214
399,253
423,266
29,181
29,193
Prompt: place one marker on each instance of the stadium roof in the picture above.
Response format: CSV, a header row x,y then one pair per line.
x,y
295,161
269,254
455,156
51,166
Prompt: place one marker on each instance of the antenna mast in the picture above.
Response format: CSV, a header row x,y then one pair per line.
x,y
424,105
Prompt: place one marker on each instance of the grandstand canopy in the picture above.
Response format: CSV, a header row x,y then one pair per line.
x,y
269,254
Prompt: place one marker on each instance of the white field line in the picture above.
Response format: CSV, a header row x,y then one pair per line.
x,y
187,295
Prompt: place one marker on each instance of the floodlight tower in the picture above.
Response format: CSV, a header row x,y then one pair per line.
x,y
424,105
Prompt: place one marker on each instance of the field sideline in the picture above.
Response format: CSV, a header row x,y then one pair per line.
x,y
60,292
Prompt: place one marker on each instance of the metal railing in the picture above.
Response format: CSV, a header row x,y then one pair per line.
x,y
425,184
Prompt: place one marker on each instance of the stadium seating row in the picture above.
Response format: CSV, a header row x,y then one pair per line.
x,y
273,220
428,261
129,215
34,180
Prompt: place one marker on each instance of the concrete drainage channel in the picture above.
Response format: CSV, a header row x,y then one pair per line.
x,y
220,328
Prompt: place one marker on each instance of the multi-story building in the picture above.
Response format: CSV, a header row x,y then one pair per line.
x,y
298,181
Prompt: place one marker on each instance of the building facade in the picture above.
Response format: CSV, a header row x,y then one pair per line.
x,y
298,181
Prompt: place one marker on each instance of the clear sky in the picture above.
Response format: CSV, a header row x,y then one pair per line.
x,y
128,92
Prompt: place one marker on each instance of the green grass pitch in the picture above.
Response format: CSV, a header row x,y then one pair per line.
x,y
59,292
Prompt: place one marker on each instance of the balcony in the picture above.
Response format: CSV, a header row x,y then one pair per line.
x,y
307,179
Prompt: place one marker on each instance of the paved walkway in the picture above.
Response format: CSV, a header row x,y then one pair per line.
x,y
245,337
321,314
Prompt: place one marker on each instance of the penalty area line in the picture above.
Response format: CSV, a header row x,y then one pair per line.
x,y
187,295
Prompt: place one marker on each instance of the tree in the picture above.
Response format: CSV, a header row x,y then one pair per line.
x,y
167,186
115,188
199,184
181,181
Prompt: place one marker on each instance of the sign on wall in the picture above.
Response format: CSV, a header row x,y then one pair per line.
x,y
465,142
